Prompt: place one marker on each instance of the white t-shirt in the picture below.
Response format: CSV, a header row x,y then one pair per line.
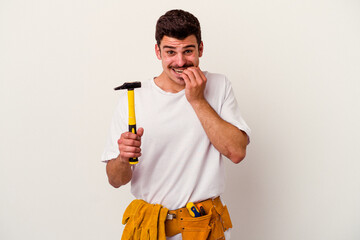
x,y
178,162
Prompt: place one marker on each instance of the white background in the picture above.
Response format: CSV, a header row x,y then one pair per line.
x,y
295,68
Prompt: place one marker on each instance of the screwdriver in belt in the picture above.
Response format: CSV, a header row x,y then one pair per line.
x,y
194,212
201,209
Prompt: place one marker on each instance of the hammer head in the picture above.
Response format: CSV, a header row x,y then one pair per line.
x,y
129,86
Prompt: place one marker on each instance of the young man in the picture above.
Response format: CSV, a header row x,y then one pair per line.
x,y
189,119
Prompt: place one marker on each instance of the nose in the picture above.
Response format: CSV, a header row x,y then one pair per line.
x,y
180,60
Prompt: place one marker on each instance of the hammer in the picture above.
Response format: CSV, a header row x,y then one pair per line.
x,y
130,86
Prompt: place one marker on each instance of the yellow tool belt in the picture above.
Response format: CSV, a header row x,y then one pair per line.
x,y
146,221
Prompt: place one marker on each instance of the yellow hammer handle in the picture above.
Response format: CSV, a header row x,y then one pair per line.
x,y
132,120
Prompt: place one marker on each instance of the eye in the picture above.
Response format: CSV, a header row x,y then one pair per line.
x,y
170,52
188,51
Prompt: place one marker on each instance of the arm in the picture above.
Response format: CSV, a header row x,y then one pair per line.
x,y
226,138
119,170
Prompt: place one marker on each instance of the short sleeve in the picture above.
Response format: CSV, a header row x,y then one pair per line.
x,y
230,110
117,127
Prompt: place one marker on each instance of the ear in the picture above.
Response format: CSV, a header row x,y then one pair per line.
x,y
201,49
158,51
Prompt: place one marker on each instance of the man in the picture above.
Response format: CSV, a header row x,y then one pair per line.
x,y
189,119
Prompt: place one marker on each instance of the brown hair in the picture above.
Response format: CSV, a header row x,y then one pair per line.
x,y
177,24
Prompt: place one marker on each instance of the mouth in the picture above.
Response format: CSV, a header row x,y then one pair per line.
x,y
178,71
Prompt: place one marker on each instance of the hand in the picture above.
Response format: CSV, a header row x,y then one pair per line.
x,y
129,145
195,82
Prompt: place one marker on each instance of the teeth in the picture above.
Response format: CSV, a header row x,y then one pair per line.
x,y
178,70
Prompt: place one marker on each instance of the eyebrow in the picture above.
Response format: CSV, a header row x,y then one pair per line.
x,y
187,46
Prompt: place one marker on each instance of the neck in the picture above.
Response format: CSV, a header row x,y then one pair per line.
x,y
167,85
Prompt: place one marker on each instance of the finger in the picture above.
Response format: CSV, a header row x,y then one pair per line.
x,y
186,79
130,155
129,142
140,132
197,76
187,72
202,74
129,135
129,149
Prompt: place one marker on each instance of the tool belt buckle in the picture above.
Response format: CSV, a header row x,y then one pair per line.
x,y
170,216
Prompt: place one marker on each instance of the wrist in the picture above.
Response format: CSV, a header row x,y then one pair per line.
x,y
123,161
199,103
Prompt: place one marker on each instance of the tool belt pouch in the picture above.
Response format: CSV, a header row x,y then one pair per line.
x,y
209,227
220,222
195,228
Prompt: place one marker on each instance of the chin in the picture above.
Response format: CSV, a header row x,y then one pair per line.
x,y
180,81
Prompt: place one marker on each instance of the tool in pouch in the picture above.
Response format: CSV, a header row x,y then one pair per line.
x,y
193,210
201,209
130,86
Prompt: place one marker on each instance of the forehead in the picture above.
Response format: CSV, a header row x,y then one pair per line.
x,y
178,43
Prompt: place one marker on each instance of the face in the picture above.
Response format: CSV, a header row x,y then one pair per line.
x,y
176,55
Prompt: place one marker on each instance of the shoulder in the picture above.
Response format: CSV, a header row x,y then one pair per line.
x,y
217,81
216,78
217,88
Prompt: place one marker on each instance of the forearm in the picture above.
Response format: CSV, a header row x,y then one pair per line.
x,y
226,138
119,171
